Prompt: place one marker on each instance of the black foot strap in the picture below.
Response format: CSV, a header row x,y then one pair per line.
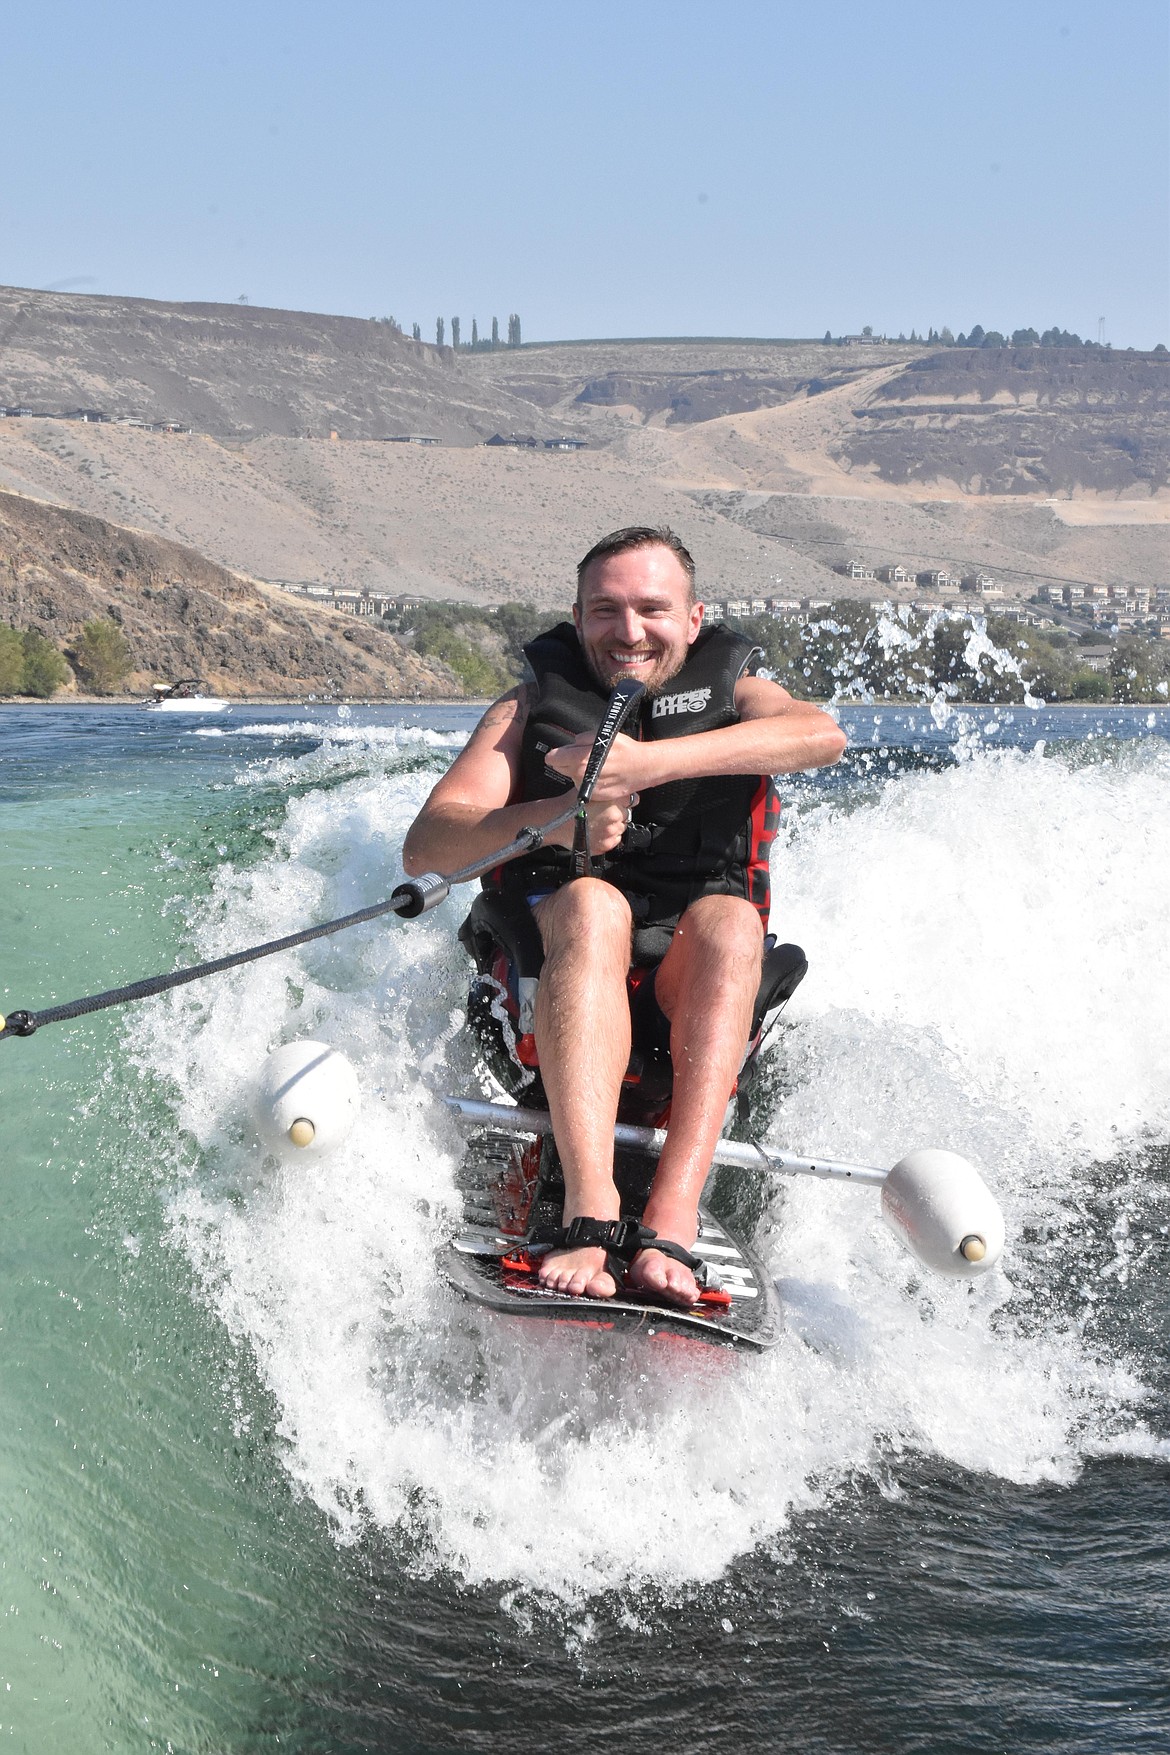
x,y
621,1240
701,1269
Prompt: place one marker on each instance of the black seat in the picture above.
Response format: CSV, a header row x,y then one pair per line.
x,y
499,923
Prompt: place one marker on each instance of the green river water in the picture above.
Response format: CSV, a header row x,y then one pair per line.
x,y
264,1485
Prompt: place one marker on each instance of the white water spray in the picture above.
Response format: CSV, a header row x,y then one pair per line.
x,y
986,971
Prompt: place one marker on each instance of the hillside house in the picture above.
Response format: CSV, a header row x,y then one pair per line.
x,y
1096,658
899,576
409,439
362,603
349,601
942,580
858,570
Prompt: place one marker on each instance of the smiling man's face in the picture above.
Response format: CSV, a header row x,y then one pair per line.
x,y
637,616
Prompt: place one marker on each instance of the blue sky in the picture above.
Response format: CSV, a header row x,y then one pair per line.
x,y
640,168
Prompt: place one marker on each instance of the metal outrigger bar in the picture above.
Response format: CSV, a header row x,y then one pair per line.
x,y
935,1201
746,1155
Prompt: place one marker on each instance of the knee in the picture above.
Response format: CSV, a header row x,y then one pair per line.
x,y
588,912
715,959
726,927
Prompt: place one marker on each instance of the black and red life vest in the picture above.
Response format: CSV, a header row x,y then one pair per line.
x,y
690,838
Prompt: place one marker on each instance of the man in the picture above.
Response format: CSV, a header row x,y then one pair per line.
x,y
697,786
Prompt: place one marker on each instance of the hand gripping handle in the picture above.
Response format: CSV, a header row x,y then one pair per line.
x,y
625,698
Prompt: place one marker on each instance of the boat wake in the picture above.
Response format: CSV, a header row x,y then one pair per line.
x,y
987,973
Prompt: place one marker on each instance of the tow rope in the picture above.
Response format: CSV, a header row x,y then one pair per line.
x,y
413,897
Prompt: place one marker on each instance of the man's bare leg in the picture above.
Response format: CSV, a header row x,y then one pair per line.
x,y
706,985
583,1040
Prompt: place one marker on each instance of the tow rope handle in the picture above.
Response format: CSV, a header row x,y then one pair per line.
x,y
625,698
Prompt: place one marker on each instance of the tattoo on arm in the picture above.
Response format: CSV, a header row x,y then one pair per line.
x,y
509,707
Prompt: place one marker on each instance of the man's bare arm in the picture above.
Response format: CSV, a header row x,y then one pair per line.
x,y
776,734
468,814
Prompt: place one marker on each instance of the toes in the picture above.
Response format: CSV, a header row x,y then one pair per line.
x,y
653,1272
658,1274
566,1273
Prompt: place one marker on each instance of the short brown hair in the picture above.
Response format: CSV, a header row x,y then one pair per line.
x,y
618,542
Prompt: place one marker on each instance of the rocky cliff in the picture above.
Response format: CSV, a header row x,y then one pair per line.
x,y
1037,420
185,616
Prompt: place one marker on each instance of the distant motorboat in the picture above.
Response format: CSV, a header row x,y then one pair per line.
x,y
184,696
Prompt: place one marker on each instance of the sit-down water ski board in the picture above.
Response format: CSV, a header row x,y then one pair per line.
x,y
516,1211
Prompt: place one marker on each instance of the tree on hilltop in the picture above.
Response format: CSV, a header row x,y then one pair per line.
x,y
514,330
454,332
474,335
440,331
495,332
416,331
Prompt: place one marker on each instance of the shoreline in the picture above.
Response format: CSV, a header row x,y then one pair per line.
x,y
293,701
253,701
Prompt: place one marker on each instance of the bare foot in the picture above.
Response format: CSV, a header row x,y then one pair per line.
x,y
663,1278
660,1275
580,1273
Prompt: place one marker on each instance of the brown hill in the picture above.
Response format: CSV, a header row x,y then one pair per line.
x,y
238,370
186,616
775,460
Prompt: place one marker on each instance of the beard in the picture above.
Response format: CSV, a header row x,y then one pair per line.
x,y
663,668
